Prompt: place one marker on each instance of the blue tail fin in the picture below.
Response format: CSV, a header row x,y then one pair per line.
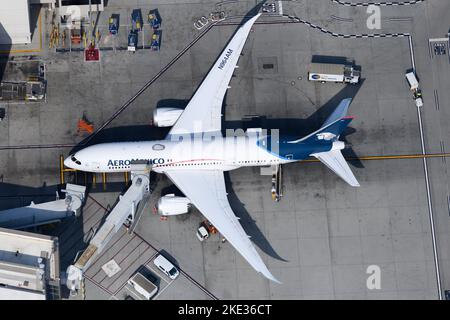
x,y
340,112
333,126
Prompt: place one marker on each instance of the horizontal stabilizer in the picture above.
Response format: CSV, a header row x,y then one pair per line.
x,y
335,161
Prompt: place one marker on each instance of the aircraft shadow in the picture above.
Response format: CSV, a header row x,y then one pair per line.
x,y
292,127
15,196
247,221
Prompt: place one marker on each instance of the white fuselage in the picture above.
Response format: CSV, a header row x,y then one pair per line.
x,y
219,153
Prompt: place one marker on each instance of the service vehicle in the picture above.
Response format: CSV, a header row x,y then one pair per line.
x,y
412,81
136,20
166,267
202,233
153,19
414,87
113,24
155,41
329,72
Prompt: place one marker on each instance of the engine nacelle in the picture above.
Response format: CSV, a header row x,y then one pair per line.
x,y
171,205
166,117
338,145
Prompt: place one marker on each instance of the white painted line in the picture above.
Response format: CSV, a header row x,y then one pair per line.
x,y
438,40
427,184
157,272
430,209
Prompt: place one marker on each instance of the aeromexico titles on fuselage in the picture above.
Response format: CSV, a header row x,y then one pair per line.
x,y
121,163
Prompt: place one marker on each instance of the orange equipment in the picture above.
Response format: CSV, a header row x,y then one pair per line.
x,y
85,125
75,36
211,229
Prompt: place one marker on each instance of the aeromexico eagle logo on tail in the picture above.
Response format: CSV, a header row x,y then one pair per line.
x,y
225,59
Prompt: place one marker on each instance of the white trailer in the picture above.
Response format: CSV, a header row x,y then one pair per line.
x,y
143,285
414,87
328,72
412,81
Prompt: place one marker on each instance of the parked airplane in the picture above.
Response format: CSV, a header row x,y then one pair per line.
x,y
195,154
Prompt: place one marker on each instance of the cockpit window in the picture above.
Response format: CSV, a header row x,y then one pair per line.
x,y
75,160
158,146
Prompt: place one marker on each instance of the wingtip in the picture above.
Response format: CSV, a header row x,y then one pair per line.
x,y
348,100
354,183
270,276
276,281
255,17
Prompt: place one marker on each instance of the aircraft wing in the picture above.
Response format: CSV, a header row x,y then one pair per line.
x,y
206,190
336,162
203,112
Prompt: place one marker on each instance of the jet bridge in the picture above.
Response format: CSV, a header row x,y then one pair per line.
x,y
125,208
47,212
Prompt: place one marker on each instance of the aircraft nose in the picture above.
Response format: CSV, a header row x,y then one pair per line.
x,y
68,162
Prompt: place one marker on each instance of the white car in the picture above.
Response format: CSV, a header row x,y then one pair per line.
x,y
166,267
202,233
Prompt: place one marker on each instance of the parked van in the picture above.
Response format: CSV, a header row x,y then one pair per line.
x,y
166,266
143,285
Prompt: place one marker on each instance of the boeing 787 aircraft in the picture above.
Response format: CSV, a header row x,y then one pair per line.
x,y
195,154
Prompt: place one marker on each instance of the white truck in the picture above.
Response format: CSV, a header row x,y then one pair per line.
x,y
329,72
143,286
414,87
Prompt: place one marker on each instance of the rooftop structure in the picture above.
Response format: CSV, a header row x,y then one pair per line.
x,y
15,23
29,266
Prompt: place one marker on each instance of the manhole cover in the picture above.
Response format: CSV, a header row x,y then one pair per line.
x,y
268,65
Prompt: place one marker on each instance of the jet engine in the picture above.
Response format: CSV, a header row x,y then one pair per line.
x,y
166,117
171,205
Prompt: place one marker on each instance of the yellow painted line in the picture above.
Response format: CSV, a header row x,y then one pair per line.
x,y
104,180
29,50
393,157
126,177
